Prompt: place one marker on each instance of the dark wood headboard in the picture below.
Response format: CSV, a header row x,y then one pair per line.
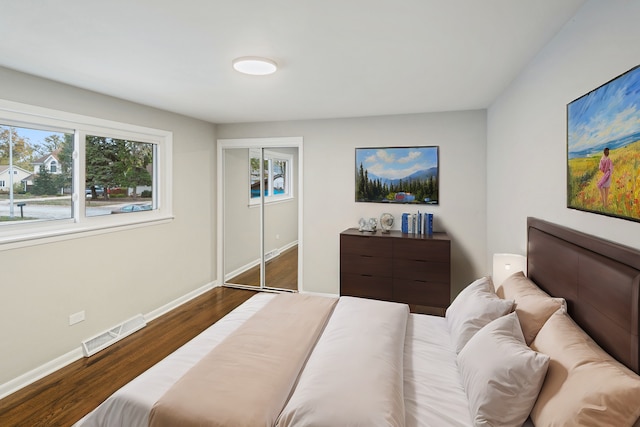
x,y
599,279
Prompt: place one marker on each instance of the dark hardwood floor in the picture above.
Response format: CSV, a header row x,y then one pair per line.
x,y
281,272
65,396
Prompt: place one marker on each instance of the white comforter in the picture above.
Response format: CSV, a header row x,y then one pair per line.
x,y
423,379
354,374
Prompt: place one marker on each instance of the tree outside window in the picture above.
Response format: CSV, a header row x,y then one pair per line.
x,y
276,175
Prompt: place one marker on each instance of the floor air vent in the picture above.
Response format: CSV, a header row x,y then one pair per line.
x,y
272,254
105,339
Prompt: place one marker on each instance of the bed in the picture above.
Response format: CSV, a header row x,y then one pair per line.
x,y
519,353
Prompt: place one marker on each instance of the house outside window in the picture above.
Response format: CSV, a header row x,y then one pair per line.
x,y
75,172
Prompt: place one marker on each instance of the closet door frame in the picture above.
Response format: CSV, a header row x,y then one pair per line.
x,y
249,143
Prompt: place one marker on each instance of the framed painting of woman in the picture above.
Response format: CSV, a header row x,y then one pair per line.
x,y
603,149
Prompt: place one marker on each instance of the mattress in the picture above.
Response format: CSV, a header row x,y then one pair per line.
x,y
432,388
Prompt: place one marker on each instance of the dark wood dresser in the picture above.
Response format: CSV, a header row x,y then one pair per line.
x,y
399,267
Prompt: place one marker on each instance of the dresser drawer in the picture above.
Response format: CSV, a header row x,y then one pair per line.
x,y
366,245
366,286
416,249
364,264
421,270
420,292
396,266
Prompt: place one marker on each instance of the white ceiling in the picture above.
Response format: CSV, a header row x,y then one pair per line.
x,y
338,58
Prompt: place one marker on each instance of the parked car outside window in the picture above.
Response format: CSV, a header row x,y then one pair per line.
x,y
99,191
133,207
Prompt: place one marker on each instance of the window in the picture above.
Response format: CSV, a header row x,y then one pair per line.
x,y
276,175
74,173
118,170
48,196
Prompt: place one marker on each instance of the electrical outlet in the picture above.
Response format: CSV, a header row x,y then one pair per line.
x,y
76,318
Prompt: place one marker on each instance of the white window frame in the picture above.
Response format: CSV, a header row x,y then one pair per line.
x,y
23,115
272,197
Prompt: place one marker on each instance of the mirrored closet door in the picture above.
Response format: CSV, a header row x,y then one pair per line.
x,y
259,206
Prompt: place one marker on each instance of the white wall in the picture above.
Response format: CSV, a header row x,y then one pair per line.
x,y
526,138
329,184
112,276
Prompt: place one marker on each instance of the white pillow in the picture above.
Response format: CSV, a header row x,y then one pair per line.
x,y
502,376
473,308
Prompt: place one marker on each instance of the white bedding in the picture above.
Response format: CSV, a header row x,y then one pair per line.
x,y
433,393
354,375
131,405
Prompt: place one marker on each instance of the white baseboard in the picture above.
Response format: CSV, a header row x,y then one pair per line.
x,y
66,359
255,262
241,269
40,372
179,301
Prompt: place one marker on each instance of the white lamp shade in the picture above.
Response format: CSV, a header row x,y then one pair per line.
x,y
504,265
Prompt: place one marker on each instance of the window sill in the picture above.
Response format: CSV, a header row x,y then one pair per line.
x,y
49,234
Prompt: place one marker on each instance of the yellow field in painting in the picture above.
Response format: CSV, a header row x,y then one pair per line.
x,y
624,193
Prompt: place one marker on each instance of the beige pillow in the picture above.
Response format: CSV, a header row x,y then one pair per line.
x,y
584,385
501,375
533,305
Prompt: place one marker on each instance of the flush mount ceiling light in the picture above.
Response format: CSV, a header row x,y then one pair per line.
x,y
254,65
